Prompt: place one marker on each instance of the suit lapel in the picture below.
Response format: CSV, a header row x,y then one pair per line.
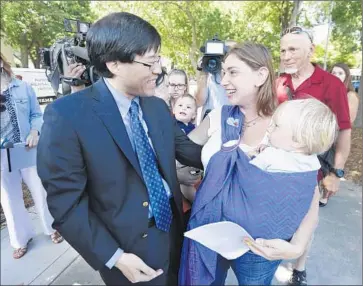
x,y
106,109
156,134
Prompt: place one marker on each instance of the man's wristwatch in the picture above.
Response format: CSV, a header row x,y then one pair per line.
x,y
337,172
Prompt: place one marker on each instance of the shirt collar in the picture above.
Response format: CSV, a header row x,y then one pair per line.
x,y
318,74
123,103
14,82
316,78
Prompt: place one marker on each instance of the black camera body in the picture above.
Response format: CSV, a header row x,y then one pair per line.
x,y
64,52
213,53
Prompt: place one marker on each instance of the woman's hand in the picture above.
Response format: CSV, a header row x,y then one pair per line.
x,y
32,139
274,249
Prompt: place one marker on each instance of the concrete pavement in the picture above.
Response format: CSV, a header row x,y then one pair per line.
x,y
335,258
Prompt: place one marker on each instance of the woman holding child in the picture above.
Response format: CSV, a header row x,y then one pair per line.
x,y
270,198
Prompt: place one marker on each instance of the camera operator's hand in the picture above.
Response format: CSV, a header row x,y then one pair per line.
x,y
201,93
75,71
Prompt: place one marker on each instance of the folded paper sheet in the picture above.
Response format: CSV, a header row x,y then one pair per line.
x,y
20,157
225,238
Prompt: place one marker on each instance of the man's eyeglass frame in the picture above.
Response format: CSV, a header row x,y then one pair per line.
x,y
150,66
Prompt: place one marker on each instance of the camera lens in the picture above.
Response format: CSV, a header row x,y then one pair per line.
x,y
212,64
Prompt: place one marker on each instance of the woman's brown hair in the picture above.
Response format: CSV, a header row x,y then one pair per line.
x,y
257,56
348,77
6,65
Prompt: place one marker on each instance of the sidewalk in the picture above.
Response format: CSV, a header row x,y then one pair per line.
x,y
335,258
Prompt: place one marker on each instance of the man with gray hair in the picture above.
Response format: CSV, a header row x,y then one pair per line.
x,y
302,79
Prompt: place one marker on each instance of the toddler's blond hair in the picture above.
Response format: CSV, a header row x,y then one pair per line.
x,y
313,124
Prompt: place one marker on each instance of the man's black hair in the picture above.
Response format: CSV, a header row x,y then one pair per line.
x,y
120,37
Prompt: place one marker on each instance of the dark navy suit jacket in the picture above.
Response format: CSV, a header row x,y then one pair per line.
x,y
96,192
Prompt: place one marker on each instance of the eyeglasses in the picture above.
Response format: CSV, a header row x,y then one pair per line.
x,y
178,86
152,65
297,30
2,101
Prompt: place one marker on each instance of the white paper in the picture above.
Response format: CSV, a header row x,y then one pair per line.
x,y
225,238
20,157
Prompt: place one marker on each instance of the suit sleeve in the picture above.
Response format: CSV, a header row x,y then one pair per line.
x,y
64,176
187,152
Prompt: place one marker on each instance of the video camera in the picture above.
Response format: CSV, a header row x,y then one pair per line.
x,y
64,52
213,53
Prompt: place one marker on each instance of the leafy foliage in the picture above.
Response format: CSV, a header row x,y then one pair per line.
x,y
30,25
186,25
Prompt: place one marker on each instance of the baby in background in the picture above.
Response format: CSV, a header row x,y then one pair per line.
x,y
185,112
299,131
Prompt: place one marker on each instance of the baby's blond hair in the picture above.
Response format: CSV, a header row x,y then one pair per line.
x,y
313,124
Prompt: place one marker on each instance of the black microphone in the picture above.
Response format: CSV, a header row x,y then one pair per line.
x,y
8,145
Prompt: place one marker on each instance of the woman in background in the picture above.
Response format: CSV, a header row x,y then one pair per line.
x,y
21,122
342,72
177,85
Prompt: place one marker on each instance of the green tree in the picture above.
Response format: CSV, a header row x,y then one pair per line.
x,y
31,25
183,25
347,29
344,42
186,25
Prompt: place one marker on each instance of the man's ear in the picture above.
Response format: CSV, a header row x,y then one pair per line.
x,y
113,67
311,50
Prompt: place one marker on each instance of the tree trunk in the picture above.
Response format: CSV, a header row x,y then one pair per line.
x,y
295,12
24,51
193,48
36,61
284,17
36,58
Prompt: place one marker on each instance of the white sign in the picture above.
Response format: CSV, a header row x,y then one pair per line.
x,y
37,79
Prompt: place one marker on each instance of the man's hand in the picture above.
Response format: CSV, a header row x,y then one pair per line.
x,y
274,249
135,270
75,71
331,185
32,139
185,177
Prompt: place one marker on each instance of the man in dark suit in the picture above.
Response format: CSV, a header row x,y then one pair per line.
x,y
107,155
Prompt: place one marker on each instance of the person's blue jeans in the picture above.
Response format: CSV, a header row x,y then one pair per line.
x,y
250,269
